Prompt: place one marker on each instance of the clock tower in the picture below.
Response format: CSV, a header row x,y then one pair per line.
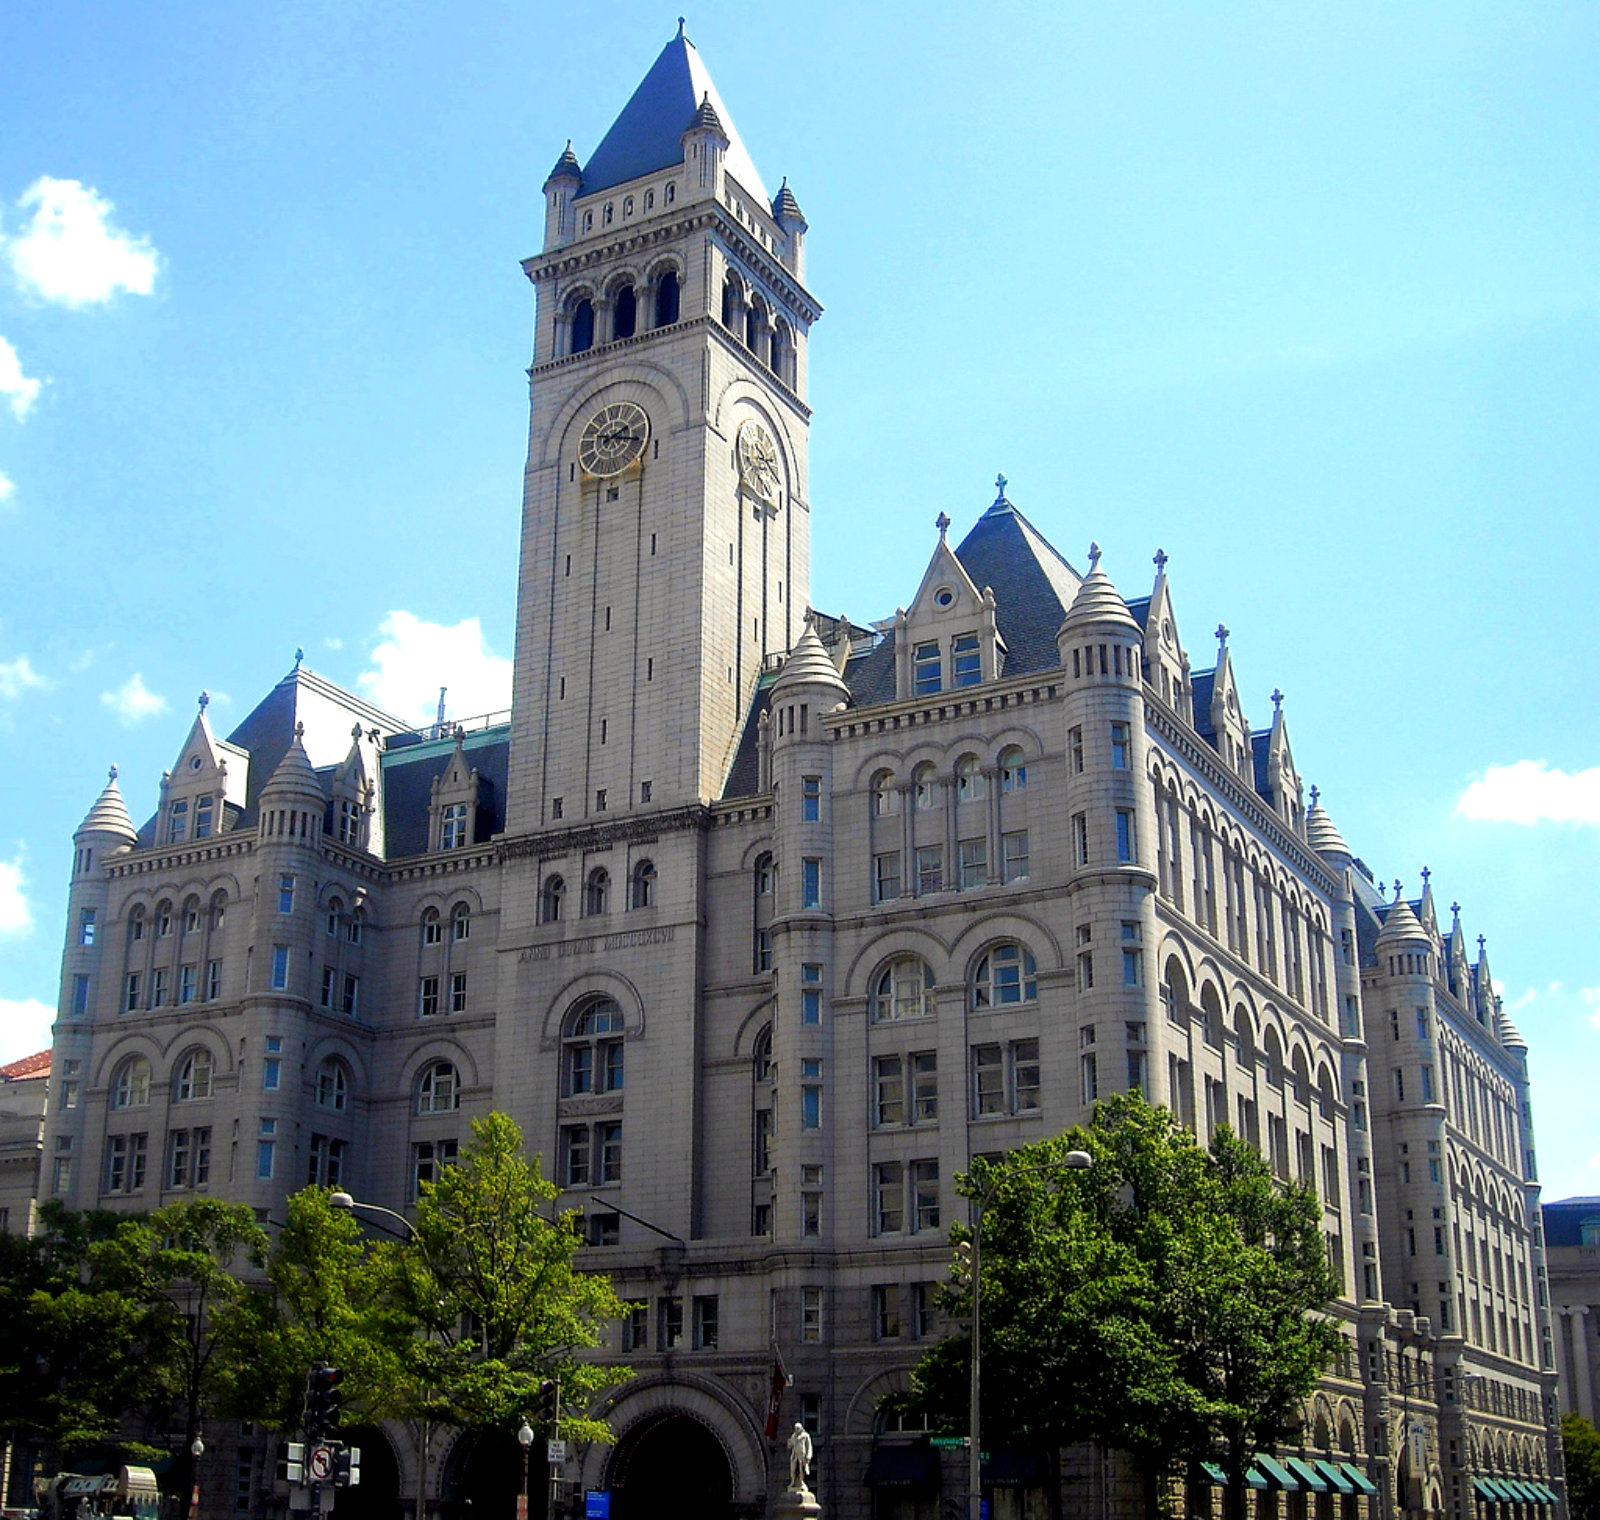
x,y
665,516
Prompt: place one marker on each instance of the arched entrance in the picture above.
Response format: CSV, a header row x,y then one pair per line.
x,y
670,1467
483,1476
377,1496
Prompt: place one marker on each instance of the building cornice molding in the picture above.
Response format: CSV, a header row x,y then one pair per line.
x,y
591,838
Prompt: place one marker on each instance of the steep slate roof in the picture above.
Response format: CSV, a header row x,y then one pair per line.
x,y
409,768
1260,753
870,676
745,772
1203,684
648,135
1033,585
1564,1219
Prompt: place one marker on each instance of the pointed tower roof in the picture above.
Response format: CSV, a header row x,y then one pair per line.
x,y
705,119
808,665
1505,1031
1321,833
1098,601
1400,923
109,815
295,773
785,208
567,166
648,135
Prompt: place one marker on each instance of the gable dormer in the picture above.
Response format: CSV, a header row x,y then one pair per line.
x,y
354,817
947,639
210,775
1166,664
1230,730
455,800
1281,785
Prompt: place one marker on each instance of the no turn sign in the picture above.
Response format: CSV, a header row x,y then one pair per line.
x,y
320,1465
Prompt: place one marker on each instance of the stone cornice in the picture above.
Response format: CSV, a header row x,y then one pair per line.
x,y
585,838
170,858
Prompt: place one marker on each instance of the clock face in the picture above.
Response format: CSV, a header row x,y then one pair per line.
x,y
613,439
758,461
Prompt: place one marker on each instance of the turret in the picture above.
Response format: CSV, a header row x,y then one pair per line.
x,y
560,191
106,832
291,805
787,214
1111,833
705,149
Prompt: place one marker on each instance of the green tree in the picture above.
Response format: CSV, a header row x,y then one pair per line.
x,y
490,1276
1580,1446
1162,1302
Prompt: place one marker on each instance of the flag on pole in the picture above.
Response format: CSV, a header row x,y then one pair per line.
x,y
780,1381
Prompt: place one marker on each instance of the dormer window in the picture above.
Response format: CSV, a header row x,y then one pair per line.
x,y
453,827
349,823
178,821
927,670
966,668
203,809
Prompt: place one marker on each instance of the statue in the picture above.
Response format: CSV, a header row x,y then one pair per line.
x,y
799,1456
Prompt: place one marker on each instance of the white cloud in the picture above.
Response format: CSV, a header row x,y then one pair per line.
x,y
333,643
415,658
71,251
133,700
24,1027
17,676
7,485
16,917
15,386
1532,791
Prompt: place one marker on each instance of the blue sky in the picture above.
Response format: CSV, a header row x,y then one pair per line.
x,y
1307,296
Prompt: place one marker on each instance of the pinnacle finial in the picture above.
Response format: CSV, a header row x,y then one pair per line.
x,y
1222,634
942,523
1094,557
355,733
1397,889
680,26
111,775
1277,700
299,655
1480,944
1160,561
1455,910
299,731
1426,873
205,700
999,488
1315,793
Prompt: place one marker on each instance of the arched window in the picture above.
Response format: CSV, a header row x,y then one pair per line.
x,y
761,1056
762,1072
191,915
591,1052
438,1088
667,298
460,922
1013,770
335,913
597,892
1006,974
131,1089
1272,1049
1327,1094
624,312
1246,1039
731,301
550,900
925,786
333,1085
219,909
752,324
354,926
583,326
163,920
432,927
194,1077
135,925
763,875
1302,1079
644,885
969,779
783,352
903,989
885,795
1211,1014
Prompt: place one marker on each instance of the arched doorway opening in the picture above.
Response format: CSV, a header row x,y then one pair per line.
x,y
483,1476
670,1467
377,1496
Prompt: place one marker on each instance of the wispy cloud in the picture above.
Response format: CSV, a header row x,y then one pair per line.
x,y
16,917
133,701
72,252
26,1024
19,390
7,485
1532,791
414,658
18,676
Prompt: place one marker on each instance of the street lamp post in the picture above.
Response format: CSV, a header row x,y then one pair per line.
x,y
197,1449
525,1441
1075,1161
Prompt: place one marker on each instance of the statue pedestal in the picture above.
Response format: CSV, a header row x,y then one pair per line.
x,y
798,1504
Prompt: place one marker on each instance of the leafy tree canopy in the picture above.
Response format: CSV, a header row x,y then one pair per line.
x,y
1580,1445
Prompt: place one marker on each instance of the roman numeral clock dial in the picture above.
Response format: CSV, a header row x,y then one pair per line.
x,y
613,439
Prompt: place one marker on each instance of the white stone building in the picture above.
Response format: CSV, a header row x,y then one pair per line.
x,y
761,926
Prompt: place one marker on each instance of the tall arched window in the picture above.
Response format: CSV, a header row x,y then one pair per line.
x,y
136,925
753,313
732,299
438,1088
550,900
1006,974
761,1074
969,779
432,927
597,892
335,914
925,784
195,1072
885,795
333,1085
1013,770
591,1051
1272,1050
644,885
583,326
191,915
763,875
460,922
667,298
903,989
131,1087
624,312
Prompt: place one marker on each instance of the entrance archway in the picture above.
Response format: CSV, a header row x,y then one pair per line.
x,y
670,1467
377,1496
483,1476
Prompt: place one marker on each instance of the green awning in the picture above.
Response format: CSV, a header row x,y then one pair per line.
x,y
1497,1490
1359,1478
1480,1487
1547,1494
1336,1476
1278,1475
1525,1491
1309,1477
1515,1489
1253,1476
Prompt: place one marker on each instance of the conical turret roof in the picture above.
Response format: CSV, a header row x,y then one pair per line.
x,y
1098,600
567,166
785,208
1401,923
1321,833
648,135
109,815
1508,1033
809,665
295,773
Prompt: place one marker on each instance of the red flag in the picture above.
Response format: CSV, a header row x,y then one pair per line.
x,y
780,1381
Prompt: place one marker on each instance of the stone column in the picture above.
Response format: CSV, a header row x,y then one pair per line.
x,y
1582,1377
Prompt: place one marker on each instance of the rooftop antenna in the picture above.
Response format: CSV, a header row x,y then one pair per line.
x,y
438,722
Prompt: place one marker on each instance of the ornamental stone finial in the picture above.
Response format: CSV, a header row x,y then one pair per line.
x,y
1397,889
1160,562
1094,557
1315,793
1222,634
111,775
299,731
1277,700
942,523
205,700
999,487
299,657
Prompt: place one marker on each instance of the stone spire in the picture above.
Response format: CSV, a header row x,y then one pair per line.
x,y
808,665
1322,834
295,774
1401,924
109,815
1097,603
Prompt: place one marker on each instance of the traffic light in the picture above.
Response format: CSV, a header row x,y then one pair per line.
x,y
347,1467
323,1398
550,1404
291,1463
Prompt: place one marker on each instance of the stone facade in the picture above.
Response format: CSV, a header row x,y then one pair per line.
x,y
762,924
1572,1247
